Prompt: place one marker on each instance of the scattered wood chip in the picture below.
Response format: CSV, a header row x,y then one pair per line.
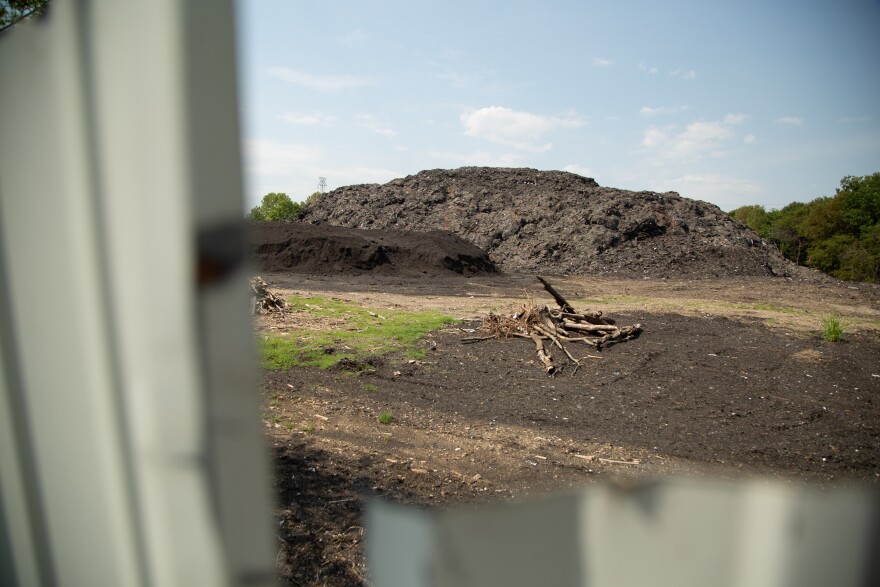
x,y
419,470
325,418
632,462
588,458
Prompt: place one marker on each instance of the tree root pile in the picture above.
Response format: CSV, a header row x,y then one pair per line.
x,y
263,300
556,327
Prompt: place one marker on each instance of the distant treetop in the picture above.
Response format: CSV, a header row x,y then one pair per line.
x,y
276,206
839,235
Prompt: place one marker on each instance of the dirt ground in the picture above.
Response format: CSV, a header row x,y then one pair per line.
x,y
729,379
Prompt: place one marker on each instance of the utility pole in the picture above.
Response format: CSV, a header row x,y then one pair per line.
x,y
322,184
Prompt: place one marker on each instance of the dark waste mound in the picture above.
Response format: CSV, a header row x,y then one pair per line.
x,y
558,222
305,248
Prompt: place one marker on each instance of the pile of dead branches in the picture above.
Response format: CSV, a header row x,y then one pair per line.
x,y
556,327
263,300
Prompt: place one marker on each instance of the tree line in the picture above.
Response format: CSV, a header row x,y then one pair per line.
x,y
839,235
279,206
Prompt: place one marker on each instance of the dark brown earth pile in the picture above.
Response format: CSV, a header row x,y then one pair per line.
x,y
304,248
559,223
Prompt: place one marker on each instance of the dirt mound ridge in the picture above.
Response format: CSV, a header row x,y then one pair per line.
x,y
558,222
304,248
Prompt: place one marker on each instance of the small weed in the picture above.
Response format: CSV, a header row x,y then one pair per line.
x,y
308,427
288,426
370,387
385,418
832,328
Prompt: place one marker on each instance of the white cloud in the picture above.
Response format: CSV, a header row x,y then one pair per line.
x,y
268,157
375,124
698,139
353,39
522,130
600,62
648,111
750,139
579,169
280,167
735,118
792,120
655,136
358,174
650,71
314,118
321,83
682,74
725,192
294,169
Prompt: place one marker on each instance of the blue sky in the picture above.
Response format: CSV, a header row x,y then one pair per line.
x,y
734,103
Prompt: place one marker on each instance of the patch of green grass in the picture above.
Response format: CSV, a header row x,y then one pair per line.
x,y
309,427
780,309
416,354
385,418
356,333
288,426
371,388
832,328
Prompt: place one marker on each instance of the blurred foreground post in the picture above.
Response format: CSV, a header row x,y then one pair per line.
x,y
130,448
671,533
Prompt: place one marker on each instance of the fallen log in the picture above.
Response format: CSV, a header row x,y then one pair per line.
x,y
571,324
543,355
624,334
560,301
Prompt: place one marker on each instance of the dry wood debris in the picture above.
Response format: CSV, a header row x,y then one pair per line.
x,y
263,300
556,327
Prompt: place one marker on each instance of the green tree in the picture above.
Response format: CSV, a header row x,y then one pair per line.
x,y
14,11
785,231
825,255
823,219
839,235
755,217
860,201
276,206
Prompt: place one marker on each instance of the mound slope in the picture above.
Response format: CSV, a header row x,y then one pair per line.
x,y
558,222
305,248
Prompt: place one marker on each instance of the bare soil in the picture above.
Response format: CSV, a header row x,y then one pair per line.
x,y
730,378
325,249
